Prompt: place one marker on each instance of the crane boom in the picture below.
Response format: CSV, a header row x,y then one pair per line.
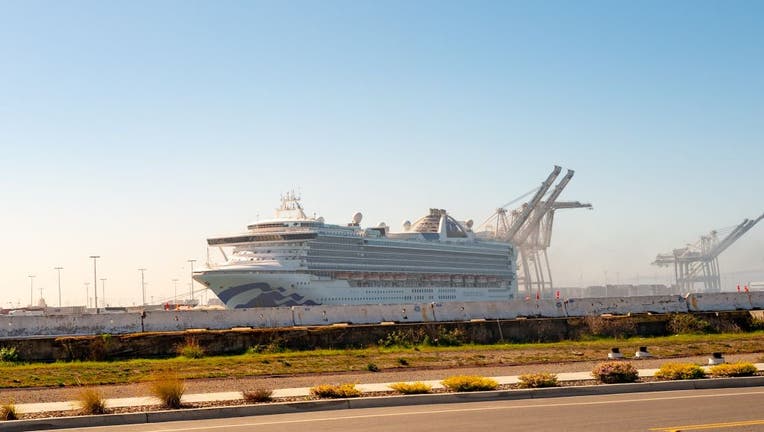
x,y
526,212
541,211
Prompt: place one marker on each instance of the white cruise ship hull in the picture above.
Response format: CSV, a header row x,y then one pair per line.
x,y
240,288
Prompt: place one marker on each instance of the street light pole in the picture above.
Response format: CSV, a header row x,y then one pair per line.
x,y
192,261
87,294
95,283
103,291
31,290
58,270
143,285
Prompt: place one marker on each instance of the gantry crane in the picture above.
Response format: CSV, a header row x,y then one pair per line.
x,y
699,263
529,228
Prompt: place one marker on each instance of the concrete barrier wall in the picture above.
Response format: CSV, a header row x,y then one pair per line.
x,y
625,305
216,319
59,325
711,302
55,325
757,299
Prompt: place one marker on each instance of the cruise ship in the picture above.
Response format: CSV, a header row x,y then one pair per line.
x,y
299,260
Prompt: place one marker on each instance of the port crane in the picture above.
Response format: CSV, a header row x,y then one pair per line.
x,y
699,263
529,228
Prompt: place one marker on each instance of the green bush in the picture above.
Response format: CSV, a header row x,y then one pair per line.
x,y
258,395
733,369
91,401
9,355
614,372
454,337
169,390
686,323
335,391
537,380
469,383
403,362
8,411
191,349
396,338
411,388
371,367
680,371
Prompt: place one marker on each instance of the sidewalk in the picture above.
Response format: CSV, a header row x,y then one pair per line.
x,y
29,408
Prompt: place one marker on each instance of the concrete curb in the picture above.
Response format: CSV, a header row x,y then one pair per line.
x,y
371,402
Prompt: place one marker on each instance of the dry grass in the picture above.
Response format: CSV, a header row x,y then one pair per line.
x,y
8,411
169,390
411,388
258,395
469,383
191,349
335,391
91,401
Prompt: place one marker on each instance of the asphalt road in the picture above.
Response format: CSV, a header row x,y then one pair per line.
x,y
733,410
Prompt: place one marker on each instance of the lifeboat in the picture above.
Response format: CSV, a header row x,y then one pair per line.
x,y
372,277
387,277
491,278
469,279
482,279
457,279
400,277
356,276
342,275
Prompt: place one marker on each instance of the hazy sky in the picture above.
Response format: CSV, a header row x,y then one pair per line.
x,y
136,129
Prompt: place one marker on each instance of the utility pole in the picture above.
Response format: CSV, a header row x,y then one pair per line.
x,y
31,290
192,261
58,270
95,282
103,291
143,285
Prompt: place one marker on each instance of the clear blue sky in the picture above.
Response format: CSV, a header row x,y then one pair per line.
x,y
134,130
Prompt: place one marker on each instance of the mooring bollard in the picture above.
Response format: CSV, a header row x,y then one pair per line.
x,y
716,358
614,354
642,353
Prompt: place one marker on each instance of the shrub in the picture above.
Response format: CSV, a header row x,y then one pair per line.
x,y
168,390
275,346
335,391
258,395
9,355
688,324
411,388
538,380
613,372
396,338
454,337
680,371
371,367
468,383
191,349
614,327
91,401
8,411
733,369
403,362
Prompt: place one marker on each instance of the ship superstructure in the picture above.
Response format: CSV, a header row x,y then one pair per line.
x,y
299,260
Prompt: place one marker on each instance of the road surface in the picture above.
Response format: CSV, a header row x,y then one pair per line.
x,y
732,410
